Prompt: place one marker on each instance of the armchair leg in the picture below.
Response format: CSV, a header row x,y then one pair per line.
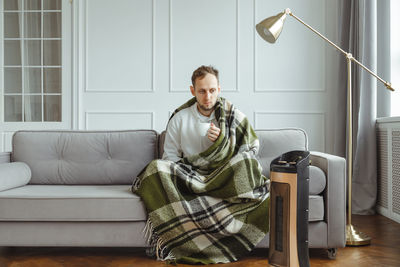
x,y
332,253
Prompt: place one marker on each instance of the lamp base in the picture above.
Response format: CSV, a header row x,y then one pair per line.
x,y
355,237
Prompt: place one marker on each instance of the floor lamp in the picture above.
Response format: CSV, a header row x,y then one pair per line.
x,y
269,29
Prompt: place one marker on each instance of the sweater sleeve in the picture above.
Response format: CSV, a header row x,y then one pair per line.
x,y
172,144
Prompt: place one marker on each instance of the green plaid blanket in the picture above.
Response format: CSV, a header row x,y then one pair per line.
x,y
211,207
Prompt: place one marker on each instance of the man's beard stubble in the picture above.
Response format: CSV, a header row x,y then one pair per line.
x,y
206,109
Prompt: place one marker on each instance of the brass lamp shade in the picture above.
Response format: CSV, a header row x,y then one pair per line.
x,y
270,28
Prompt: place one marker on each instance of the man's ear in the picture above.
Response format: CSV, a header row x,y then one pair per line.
x,y
219,89
192,90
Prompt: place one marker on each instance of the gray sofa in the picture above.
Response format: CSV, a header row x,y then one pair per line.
x,y
79,190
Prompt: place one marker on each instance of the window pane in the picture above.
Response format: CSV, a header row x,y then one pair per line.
x,y
52,80
12,53
52,4
13,108
33,80
12,4
32,53
52,108
52,53
13,80
33,25
32,5
33,108
52,25
11,25
27,80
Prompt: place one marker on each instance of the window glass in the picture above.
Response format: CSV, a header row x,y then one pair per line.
x,y
33,108
13,80
13,108
32,65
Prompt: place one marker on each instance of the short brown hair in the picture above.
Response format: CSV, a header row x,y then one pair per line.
x,y
202,71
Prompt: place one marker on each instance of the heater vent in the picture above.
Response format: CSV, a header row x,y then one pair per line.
x,y
383,168
396,171
388,163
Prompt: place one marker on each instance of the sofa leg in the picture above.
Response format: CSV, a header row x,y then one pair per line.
x,y
332,253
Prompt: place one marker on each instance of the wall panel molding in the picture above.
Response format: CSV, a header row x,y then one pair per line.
x,y
6,141
2,142
184,90
313,122
146,119
321,88
87,88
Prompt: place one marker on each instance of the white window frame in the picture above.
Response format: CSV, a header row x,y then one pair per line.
x,y
66,74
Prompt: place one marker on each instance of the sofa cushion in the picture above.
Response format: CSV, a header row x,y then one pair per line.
x,y
13,175
71,203
275,142
316,208
74,157
88,203
317,180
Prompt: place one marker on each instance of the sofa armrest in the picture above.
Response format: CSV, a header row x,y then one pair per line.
x,y
334,196
5,157
14,174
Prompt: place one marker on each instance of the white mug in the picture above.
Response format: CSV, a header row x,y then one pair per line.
x,y
202,128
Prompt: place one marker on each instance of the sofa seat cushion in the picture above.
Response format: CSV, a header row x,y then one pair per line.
x,y
71,203
316,208
88,203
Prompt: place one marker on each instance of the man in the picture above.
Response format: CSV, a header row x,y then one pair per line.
x,y
207,201
194,129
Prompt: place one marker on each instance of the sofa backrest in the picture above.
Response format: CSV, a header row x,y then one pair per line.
x,y
85,157
273,143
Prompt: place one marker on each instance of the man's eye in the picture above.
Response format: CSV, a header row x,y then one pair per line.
x,y
212,90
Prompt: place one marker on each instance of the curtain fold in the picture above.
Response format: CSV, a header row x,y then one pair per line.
x,y
359,37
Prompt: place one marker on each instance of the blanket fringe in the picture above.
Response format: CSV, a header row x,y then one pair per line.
x,y
170,257
156,243
135,184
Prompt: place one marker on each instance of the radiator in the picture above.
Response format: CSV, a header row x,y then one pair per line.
x,y
388,148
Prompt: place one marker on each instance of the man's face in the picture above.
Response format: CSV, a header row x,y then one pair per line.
x,y
206,91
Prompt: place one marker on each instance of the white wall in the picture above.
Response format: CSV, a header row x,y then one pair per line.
x,y
395,56
133,72
132,62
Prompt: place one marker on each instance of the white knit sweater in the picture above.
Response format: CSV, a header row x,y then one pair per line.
x,y
187,134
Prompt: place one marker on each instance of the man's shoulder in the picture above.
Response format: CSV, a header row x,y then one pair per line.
x,y
239,115
180,115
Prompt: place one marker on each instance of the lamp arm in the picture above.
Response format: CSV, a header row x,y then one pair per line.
x,y
387,84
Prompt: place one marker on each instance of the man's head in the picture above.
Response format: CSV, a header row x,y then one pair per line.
x,y
205,87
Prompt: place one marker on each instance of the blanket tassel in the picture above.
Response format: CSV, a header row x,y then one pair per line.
x,y
135,184
156,243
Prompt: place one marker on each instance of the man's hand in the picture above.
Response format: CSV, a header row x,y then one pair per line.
x,y
213,132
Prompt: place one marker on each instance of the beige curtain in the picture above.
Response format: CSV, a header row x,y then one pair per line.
x,y
32,109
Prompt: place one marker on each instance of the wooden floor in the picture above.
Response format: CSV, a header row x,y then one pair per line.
x,y
384,251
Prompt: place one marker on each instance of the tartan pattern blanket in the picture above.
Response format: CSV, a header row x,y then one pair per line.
x,y
211,207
